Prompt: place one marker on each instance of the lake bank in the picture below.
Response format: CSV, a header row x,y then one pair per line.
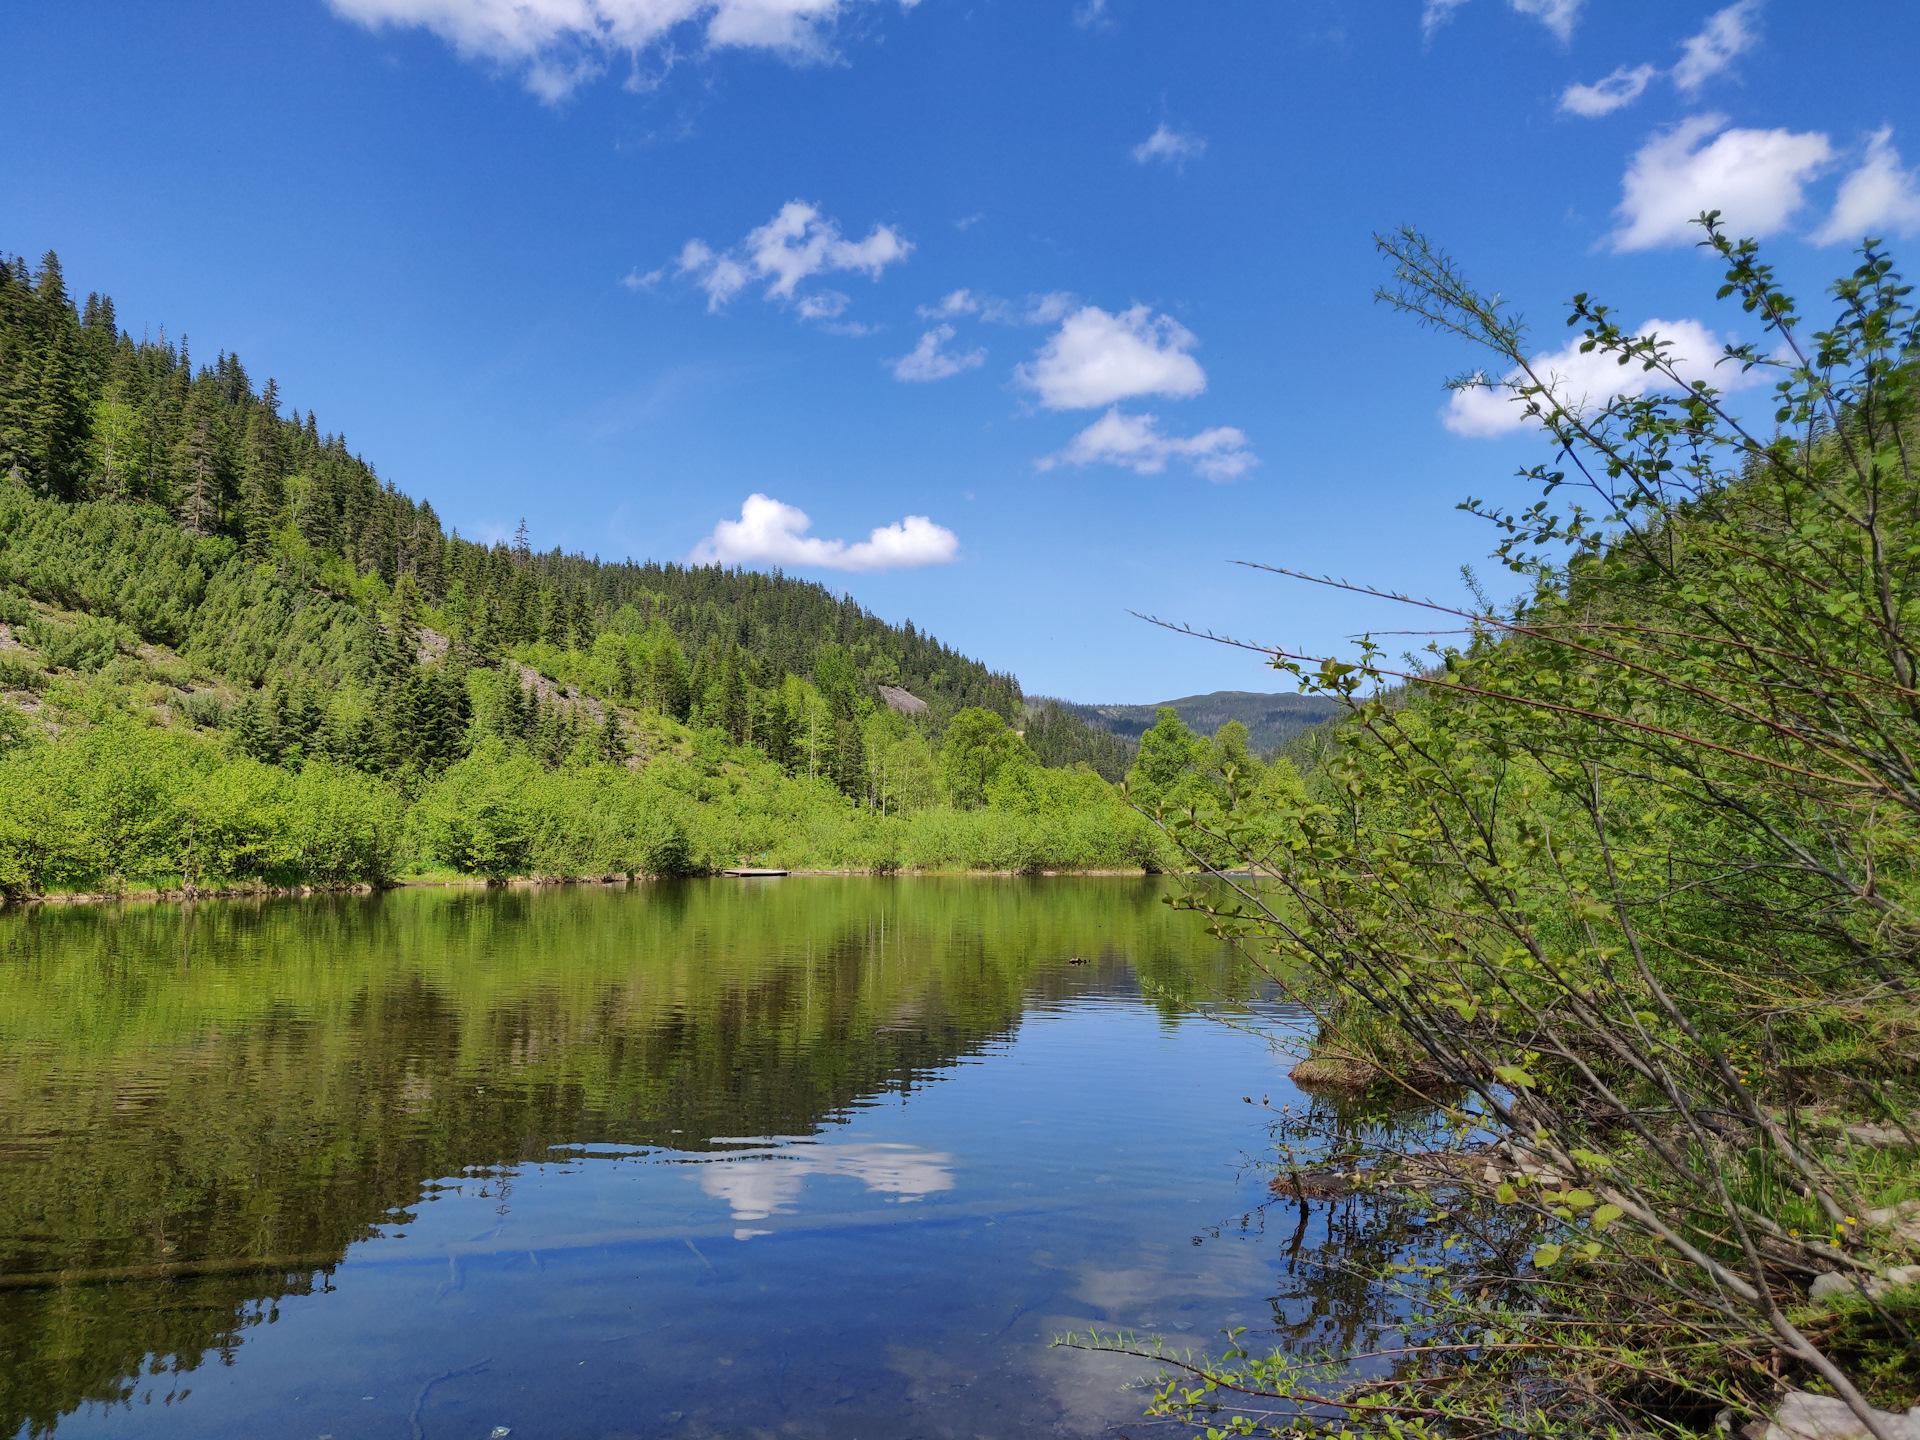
x,y
526,882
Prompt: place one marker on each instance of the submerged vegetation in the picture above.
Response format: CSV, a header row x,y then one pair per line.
x,y
230,654
1625,881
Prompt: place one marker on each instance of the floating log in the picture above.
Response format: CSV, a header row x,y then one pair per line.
x,y
746,873
171,1270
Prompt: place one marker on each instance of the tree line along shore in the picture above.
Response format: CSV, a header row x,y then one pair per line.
x,y
231,656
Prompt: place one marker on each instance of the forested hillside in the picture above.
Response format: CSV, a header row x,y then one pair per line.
x,y
229,650
1272,720
89,414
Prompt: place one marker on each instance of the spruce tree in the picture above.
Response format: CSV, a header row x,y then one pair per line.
x,y
263,476
196,467
849,757
775,731
611,742
558,630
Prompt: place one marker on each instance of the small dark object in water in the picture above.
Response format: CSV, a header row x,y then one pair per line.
x,y
1311,1185
1075,960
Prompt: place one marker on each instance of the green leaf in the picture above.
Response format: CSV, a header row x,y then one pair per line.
x,y
1546,1255
1513,1075
1506,1194
1606,1215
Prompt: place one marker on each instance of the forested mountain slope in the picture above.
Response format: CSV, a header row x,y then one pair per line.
x,y
88,414
231,653
1271,720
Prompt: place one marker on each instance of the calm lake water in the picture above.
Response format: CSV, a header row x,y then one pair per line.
x,y
804,1157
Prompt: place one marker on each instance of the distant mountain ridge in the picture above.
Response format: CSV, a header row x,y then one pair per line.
x,y
1271,719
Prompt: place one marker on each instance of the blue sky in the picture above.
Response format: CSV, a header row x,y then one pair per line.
x,y
1039,311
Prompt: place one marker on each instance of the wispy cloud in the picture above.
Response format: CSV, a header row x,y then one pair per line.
x,y
771,533
1034,310
931,360
1174,147
1727,35
827,305
1878,198
1096,358
1135,442
1559,16
797,244
1091,14
957,302
559,45
1603,97
1756,178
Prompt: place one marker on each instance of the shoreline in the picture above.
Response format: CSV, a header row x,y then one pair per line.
x,y
523,882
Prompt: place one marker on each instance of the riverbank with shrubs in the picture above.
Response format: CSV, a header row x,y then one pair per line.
x,y
101,795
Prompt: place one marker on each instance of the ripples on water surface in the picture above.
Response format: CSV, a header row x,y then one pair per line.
x,y
803,1157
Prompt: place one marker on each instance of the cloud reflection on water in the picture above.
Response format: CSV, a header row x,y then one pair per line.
x,y
760,1183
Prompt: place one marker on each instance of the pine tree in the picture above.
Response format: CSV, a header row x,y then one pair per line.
x,y
58,418
849,771
580,618
611,742
732,708
254,732
198,480
263,476
558,630
776,732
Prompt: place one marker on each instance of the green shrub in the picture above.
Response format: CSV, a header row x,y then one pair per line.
x,y
201,707
87,645
16,674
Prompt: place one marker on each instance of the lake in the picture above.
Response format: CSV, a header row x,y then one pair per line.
x,y
803,1157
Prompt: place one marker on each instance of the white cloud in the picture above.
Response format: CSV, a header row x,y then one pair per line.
x,y
771,533
1095,359
1090,14
1174,146
957,302
634,280
1877,199
929,360
797,244
827,305
1603,97
1728,34
1559,16
561,44
1582,382
1135,443
1757,178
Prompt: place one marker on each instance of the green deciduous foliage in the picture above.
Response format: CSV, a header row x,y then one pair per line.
x,y
977,747
1629,873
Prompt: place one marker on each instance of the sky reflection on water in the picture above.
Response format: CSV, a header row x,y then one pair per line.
x,y
901,1166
